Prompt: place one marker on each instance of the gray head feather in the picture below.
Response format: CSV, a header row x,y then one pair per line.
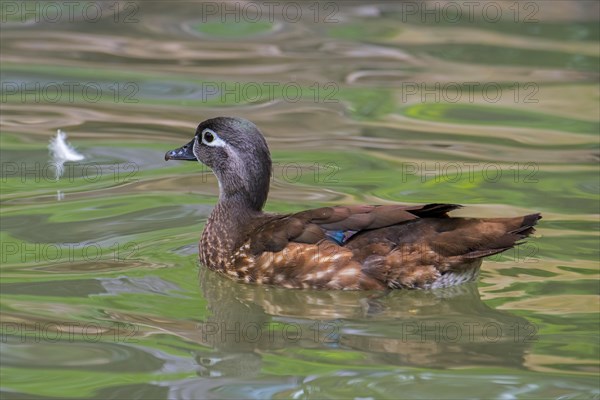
x,y
242,163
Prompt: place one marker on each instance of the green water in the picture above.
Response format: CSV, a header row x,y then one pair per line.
x,y
101,292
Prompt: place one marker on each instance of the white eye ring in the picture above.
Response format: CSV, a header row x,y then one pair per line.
x,y
210,138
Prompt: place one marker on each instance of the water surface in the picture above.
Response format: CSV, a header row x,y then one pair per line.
x,y
102,295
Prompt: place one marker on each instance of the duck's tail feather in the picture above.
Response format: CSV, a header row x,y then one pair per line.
x,y
527,225
516,229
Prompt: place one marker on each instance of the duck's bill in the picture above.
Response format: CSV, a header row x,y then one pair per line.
x,y
183,153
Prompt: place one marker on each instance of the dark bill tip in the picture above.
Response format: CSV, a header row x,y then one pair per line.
x,y
184,153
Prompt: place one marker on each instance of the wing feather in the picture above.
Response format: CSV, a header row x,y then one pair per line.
x,y
312,226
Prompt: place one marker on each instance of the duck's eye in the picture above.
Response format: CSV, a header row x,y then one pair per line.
x,y
208,137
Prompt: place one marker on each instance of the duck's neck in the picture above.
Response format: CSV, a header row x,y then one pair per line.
x,y
226,229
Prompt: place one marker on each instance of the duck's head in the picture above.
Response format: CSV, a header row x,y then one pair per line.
x,y
237,153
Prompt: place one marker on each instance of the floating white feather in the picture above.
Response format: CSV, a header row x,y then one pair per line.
x,y
62,151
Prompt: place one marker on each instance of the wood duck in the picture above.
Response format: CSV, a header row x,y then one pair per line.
x,y
357,247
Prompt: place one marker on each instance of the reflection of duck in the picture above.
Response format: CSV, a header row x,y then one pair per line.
x,y
442,328
345,247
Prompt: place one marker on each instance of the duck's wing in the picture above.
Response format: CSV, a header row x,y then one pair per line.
x,y
337,224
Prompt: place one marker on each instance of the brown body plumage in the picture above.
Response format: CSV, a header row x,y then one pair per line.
x,y
343,247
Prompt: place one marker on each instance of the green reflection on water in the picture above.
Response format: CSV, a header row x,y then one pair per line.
x,y
497,116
